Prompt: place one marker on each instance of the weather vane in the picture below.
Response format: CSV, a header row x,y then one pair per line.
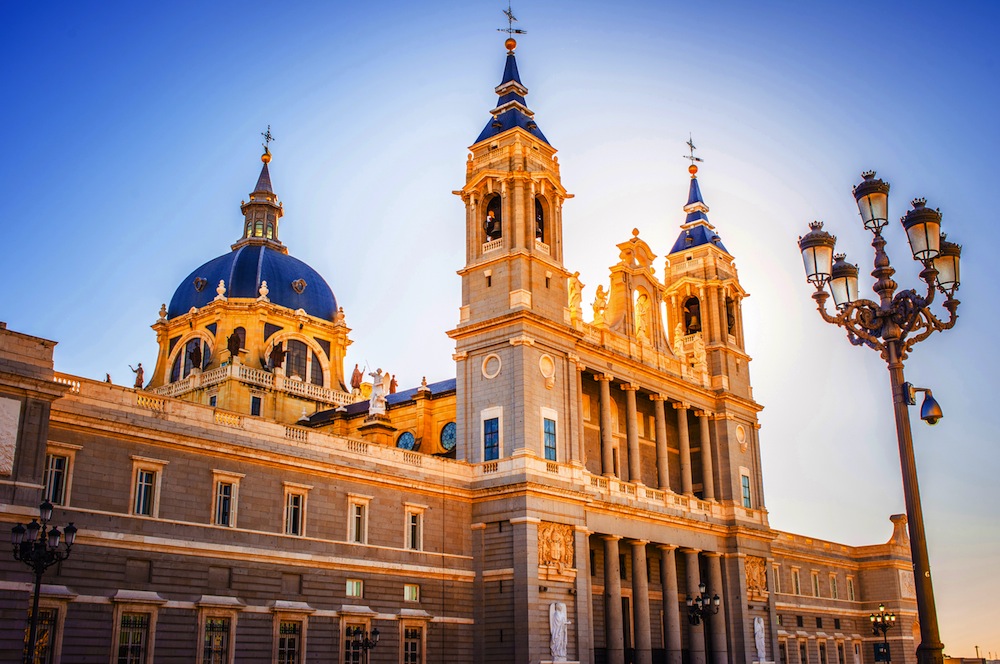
x,y
510,29
267,138
691,157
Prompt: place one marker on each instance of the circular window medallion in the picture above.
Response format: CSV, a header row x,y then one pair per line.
x,y
491,366
448,434
406,441
741,437
547,366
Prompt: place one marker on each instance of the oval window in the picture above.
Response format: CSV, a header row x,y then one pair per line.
x,y
448,435
406,441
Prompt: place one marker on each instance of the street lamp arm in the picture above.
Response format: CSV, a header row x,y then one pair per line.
x,y
928,324
859,318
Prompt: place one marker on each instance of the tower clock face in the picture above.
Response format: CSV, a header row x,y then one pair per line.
x,y
448,436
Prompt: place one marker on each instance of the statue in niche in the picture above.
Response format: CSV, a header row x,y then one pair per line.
x,y
356,378
555,545
600,304
139,374
575,295
233,344
642,318
376,405
557,631
692,316
195,356
730,314
756,571
758,638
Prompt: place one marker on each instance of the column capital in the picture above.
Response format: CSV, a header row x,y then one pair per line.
x,y
688,549
657,397
638,542
610,538
703,413
680,405
666,547
713,554
575,359
604,377
629,387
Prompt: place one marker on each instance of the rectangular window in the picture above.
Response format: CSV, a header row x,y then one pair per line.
x,y
783,652
803,659
798,621
840,653
255,406
780,620
225,494
56,467
215,648
822,652
355,588
819,623
294,512
414,530
413,638
145,492
622,568
133,638
491,439
796,586
359,522
352,648
850,588
836,623
834,589
411,592
815,584
777,578
289,642
550,439
44,637
745,483
213,400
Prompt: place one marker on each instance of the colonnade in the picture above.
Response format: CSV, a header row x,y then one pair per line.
x,y
674,622
662,455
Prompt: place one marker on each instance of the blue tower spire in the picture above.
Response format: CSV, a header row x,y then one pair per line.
x,y
697,229
511,109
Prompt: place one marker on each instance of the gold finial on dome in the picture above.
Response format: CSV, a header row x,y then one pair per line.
x,y
510,44
266,157
693,170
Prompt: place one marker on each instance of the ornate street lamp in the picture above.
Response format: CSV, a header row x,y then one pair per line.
x,y
37,546
702,606
362,640
882,622
892,326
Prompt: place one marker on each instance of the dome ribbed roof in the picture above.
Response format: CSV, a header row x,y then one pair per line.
x,y
243,270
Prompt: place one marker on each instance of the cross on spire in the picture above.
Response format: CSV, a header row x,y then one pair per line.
x,y
510,29
267,138
691,157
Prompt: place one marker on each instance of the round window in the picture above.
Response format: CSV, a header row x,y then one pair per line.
x,y
406,441
448,434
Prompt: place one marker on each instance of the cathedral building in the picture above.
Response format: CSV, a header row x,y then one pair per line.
x,y
588,488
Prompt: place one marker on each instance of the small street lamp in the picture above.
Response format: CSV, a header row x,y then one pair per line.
x,y
892,326
362,640
702,606
37,546
882,622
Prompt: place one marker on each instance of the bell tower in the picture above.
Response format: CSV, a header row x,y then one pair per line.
x,y
704,298
513,213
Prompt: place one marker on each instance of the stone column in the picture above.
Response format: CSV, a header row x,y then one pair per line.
x,y
685,441
613,625
696,633
708,474
717,623
671,609
607,444
632,431
577,451
640,604
662,455
583,601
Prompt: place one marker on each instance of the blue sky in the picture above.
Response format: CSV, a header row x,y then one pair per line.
x,y
131,133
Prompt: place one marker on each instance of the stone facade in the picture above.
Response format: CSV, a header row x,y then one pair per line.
x,y
611,466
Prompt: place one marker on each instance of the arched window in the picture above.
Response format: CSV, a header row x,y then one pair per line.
x,y
315,370
270,231
194,355
539,220
249,231
493,223
692,315
296,354
242,334
259,228
730,314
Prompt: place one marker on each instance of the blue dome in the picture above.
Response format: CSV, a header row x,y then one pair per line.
x,y
243,269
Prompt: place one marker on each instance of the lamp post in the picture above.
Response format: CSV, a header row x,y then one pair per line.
x,y
702,606
362,640
37,546
882,622
892,326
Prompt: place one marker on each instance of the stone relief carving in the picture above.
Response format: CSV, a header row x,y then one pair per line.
x,y
10,417
907,584
756,571
555,545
